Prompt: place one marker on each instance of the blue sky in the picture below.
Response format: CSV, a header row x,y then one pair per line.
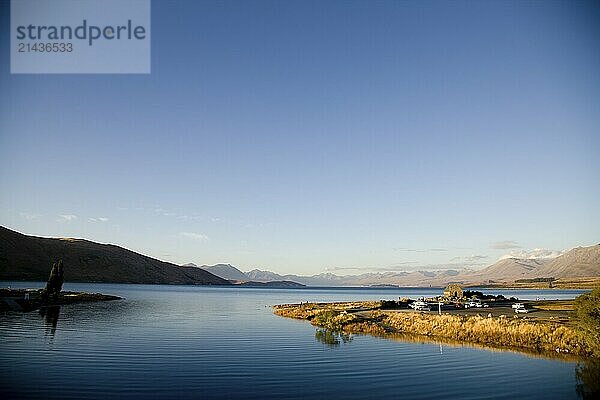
x,y
304,137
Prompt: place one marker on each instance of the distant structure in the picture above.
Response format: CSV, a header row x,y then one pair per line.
x,y
453,291
55,282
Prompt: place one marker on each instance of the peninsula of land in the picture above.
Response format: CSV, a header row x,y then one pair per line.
x,y
556,326
32,299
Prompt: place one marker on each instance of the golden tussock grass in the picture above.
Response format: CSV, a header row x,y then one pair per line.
x,y
508,332
309,310
541,336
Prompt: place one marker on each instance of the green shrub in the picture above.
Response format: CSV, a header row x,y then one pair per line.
x,y
333,320
330,338
587,310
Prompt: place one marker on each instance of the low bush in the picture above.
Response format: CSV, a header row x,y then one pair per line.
x,y
587,311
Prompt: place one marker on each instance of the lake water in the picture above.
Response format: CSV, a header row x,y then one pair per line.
x,y
225,343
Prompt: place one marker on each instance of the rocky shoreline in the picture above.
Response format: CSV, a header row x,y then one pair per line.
x,y
25,300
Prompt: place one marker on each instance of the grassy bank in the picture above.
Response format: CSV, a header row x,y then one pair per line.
x,y
502,331
561,283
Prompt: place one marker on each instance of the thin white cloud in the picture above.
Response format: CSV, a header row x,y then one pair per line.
x,y
452,265
469,259
29,216
189,217
195,236
67,217
411,266
505,245
433,250
400,267
99,219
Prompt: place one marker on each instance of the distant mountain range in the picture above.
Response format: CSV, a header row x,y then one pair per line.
x,y
417,278
228,271
234,275
25,257
29,258
578,262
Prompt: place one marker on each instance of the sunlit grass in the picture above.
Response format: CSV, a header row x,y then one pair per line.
x,y
510,332
544,336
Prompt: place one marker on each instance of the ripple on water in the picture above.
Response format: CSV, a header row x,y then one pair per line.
x,y
195,342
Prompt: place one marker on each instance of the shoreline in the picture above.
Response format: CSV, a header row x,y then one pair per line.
x,y
551,332
584,283
25,300
558,285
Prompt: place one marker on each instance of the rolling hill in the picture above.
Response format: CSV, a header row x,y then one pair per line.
x,y
506,269
25,257
29,258
226,271
577,262
237,277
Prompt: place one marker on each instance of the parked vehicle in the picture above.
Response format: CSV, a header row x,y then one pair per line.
x,y
420,306
521,309
473,303
518,305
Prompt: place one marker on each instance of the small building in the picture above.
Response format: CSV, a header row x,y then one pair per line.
x,y
453,291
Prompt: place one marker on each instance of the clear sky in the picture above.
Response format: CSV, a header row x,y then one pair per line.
x,y
311,136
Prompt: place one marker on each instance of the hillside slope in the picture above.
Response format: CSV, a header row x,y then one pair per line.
x,y
25,257
505,270
577,262
226,271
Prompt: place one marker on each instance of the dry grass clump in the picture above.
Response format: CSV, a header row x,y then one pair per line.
x,y
554,305
577,283
333,316
493,331
542,336
310,310
367,327
333,320
341,321
296,311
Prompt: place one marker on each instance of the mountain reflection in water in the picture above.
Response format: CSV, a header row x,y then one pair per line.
x,y
225,343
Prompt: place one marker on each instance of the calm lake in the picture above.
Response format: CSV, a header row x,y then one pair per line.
x,y
225,343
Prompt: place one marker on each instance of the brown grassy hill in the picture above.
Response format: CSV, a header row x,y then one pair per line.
x,y
25,257
226,271
507,269
578,262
